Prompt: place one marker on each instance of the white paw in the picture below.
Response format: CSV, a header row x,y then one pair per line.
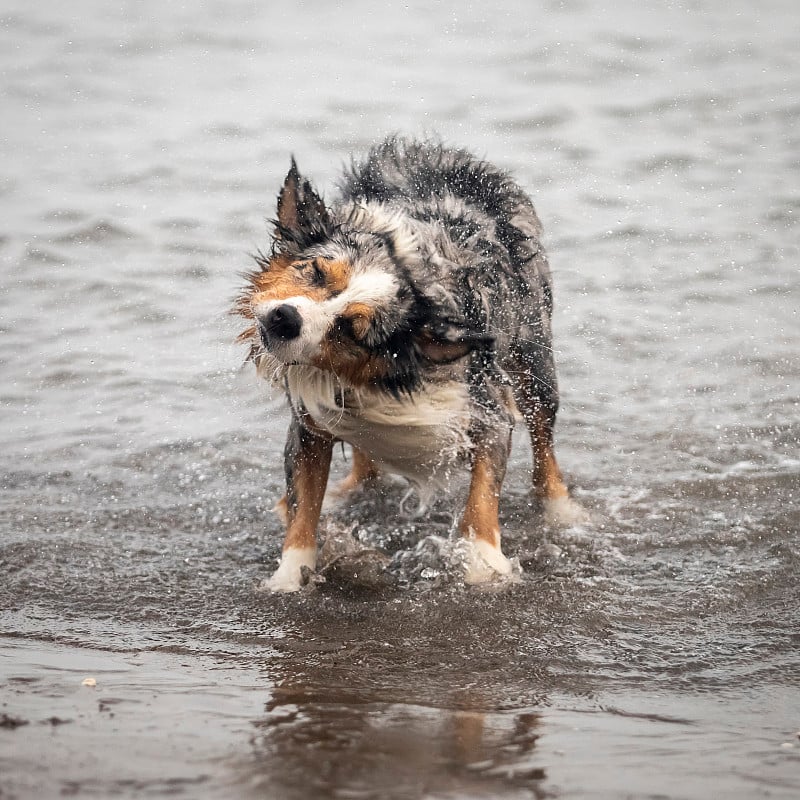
x,y
485,562
289,575
564,511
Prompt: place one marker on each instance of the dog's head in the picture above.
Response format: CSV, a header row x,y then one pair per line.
x,y
338,292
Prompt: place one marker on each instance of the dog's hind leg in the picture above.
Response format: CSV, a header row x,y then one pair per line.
x,y
307,463
537,401
548,483
364,470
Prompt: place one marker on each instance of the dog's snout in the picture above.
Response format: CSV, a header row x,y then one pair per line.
x,y
283,322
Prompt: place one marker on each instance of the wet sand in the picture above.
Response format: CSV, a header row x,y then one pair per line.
x,y
153,723
318,722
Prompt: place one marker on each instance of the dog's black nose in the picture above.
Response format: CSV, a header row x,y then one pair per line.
x,y
283,322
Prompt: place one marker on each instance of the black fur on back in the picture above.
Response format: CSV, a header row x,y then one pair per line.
x,y
484,265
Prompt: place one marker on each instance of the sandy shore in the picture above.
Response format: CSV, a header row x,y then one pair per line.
x,y
153,724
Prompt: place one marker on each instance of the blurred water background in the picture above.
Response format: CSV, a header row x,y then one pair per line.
x,y
653,652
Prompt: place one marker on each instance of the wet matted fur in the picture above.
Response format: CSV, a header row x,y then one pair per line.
x,y
410,318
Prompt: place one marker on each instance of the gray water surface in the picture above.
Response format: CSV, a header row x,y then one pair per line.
x,y
651,652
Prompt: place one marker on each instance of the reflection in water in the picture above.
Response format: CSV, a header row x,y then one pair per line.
x,y
409,694
313,740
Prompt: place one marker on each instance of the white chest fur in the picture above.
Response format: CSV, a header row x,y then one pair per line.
x,y
421,438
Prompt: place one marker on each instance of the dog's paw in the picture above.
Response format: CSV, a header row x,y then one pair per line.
x,y
289,575
485,563
565,512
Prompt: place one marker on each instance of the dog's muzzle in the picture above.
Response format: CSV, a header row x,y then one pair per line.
x,y
281,324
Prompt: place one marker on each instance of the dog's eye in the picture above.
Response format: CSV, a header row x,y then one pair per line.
x,y
312,271
318,277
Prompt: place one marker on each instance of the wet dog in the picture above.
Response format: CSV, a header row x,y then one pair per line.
x,y
409,318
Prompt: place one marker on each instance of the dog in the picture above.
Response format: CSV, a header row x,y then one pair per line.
x,y
411,319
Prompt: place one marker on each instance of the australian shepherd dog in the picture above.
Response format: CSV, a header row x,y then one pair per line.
x,y
409,318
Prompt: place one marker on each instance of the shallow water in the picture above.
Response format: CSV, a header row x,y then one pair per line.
x,y
651,652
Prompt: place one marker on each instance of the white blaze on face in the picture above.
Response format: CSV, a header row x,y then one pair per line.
x,y
374,288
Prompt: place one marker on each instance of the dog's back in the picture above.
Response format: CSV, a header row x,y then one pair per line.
x,y
483,235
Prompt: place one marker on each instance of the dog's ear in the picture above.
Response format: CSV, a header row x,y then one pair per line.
x,y
448,342
301,211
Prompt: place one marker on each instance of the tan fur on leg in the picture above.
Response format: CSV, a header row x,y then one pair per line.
x,y
480,525
547,481
548,484
364,470
546,475
302,504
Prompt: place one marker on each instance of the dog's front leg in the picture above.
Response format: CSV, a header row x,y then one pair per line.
x,y
480,525
307,461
